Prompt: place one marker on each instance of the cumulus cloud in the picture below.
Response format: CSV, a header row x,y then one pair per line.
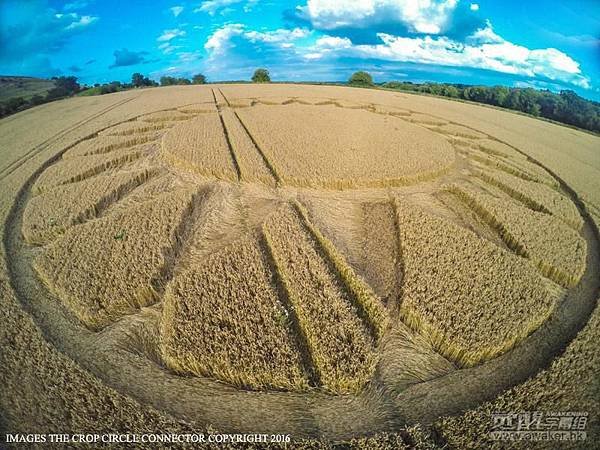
x,y
35,30
233,51
234,45
125,57
474,7
482,50
167,35
219,42
176,10
327,45
418,16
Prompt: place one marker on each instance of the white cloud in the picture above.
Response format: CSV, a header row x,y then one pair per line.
x,y
484,49
76,5
249,5
170,34
485,35
168,48
326,45
281,35
189,57
176,10
474,7
333,42
80,22
212,6
419,16
219,42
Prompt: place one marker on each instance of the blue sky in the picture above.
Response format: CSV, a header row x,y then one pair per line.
x,y
545,44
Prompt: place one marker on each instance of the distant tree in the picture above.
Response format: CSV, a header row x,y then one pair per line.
x,y
137,79
361,78
498,95
199,79
15,103
450,91
37,99
169,81
261,76
57,92
63,87
68,83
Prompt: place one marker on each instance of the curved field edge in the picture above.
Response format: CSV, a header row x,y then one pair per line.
x,y
447,396
407,408
28,325
569,384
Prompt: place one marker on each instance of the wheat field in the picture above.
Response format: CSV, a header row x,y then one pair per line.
x,y
312,260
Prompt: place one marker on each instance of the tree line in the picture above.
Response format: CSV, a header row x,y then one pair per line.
x,y
566,106
63,87
68,86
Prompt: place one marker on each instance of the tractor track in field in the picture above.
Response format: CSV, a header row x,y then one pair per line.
x,y
56,137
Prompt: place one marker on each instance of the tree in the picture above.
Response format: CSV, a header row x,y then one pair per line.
x,y
14,103
68,83
361,78
169,81
37,99
137,79
261,76
199,79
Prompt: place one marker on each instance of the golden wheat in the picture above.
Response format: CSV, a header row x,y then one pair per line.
x,y
381,249
105,144
133,127
569,384
426,119
539,197
164,116
51,213
199,108
559,252
472,299
340,347
113,266
514,166
376,150
253,167
223,319
77,169
200,145
453,129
